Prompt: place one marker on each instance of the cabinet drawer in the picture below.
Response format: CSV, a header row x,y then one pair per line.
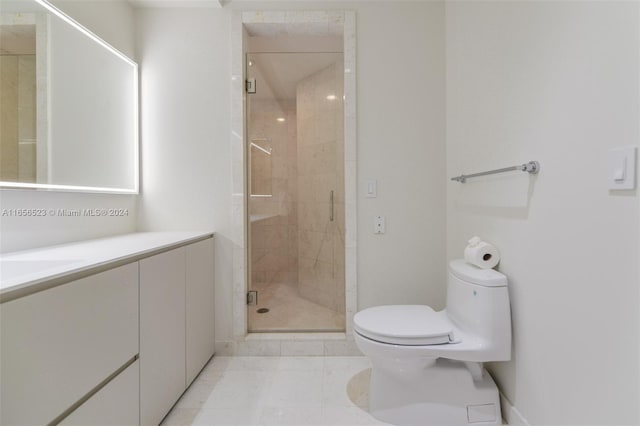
x,y
114,404
58,344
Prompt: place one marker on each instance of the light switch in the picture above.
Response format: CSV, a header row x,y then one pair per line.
x,y
619,172
622,168
371,190
378,225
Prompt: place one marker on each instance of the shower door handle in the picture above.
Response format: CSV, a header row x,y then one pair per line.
x,y
331,206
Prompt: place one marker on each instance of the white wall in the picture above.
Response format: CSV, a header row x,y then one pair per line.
x,y
185,63
555,82
185,122
112,21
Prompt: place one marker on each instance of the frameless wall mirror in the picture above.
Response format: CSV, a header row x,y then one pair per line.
x,y
69,104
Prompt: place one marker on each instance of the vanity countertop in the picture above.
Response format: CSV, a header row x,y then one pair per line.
x,y
30,271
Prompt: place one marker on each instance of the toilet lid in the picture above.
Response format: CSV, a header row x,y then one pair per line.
x,y
404,325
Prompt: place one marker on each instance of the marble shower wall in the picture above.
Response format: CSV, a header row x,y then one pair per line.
x,y
321,253
274,244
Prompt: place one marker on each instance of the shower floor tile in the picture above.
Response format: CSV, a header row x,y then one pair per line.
x,y
290,312
280,391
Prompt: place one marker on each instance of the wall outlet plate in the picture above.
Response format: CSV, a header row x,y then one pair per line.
x,y
379,225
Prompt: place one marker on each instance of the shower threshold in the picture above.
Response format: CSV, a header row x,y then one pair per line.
x,y
296,335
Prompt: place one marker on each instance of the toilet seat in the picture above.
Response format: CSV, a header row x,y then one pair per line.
x,y
410,325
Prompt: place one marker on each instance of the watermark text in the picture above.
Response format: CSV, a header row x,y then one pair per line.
x,y
59,212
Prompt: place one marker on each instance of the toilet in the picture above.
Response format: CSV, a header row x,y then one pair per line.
x,y
427,365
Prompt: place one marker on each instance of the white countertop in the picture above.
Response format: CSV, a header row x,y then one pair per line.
x,y
20,271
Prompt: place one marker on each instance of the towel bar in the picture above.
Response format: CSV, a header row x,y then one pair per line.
x,y
531,167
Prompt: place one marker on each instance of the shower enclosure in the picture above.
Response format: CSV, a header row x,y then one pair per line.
x,y
295,151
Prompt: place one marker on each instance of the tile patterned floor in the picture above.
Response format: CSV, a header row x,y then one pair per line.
x,y
277,391
289,311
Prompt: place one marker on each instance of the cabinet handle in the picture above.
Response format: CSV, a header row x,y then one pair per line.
x,y
93,391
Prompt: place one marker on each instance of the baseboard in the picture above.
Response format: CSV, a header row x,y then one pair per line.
x,y
510,413
289,344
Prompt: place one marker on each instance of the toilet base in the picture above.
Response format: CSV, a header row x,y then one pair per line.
x,y
444,393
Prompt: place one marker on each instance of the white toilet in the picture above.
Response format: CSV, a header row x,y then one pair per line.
x,y
427,365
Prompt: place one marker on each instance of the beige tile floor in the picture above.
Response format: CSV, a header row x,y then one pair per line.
x,y
290,312
277,391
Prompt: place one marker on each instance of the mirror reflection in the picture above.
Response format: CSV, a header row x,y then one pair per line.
x,y
68,115
18,102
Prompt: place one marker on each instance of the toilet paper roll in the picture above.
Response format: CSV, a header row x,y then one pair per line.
x,y
481,254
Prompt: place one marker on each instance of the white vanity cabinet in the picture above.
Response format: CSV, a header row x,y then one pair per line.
x,y
200,339
115,341
176,325
115,404
59,344
162,334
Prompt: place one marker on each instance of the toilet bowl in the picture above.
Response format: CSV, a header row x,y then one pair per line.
x,y
427,365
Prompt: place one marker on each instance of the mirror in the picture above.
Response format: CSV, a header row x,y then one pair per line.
x,y
69,104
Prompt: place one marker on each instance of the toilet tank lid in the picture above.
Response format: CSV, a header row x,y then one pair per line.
x,y
472,274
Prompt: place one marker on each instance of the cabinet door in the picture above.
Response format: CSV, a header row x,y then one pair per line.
x,y
59,344
114,404
162,334
200,303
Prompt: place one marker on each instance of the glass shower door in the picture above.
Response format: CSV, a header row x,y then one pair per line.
x,y
296,186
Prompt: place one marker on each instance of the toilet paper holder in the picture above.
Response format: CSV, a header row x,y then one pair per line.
x,y
532,167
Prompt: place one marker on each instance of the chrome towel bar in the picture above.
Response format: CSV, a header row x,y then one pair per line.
x,y
531,167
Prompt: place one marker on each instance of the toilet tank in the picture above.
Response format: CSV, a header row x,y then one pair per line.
x,y
478,303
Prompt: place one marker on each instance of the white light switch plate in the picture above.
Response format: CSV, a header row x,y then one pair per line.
x,y
371,188
622,168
